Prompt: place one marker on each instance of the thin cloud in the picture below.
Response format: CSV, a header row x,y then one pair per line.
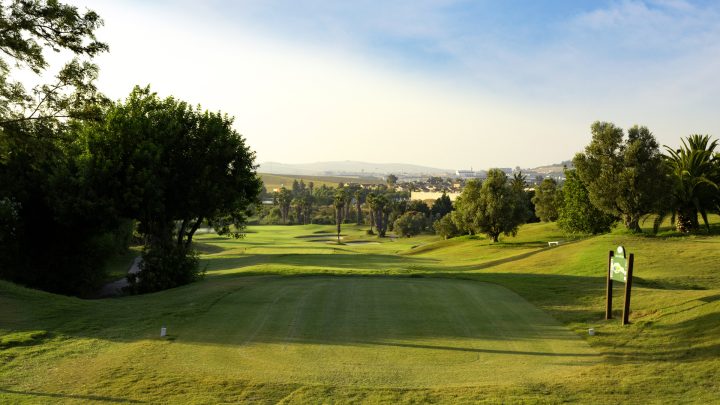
x,y
440,83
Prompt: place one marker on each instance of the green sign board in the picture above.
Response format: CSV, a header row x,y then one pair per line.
x,y
618,266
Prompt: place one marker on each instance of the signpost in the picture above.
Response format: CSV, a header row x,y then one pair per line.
x,y
620,269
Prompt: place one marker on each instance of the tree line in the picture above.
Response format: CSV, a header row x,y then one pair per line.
x,y
626,178
621,177
82,177
382,207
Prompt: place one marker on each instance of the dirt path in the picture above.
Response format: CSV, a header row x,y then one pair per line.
x,y
115,288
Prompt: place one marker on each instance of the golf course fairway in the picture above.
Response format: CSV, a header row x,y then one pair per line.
x,y
286,316
376,332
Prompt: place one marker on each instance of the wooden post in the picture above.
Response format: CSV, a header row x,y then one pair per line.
x,y
628,287
608,287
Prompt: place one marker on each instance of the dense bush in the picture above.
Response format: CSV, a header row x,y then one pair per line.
x,y
410,223
446,227
165,267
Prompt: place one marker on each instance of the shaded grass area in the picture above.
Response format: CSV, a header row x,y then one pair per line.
x,y
253,331
117,267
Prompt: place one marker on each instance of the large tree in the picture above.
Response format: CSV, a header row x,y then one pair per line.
x,y
496,208
171,167
625,178
43,191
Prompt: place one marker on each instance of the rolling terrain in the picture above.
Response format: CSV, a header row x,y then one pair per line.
x,y
285,315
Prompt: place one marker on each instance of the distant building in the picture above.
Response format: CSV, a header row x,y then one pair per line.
x,y
467,174
432,195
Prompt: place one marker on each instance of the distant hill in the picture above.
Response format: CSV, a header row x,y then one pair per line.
x,y
349,167
275,181
556,168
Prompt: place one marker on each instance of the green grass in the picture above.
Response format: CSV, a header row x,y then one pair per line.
x,y
285,316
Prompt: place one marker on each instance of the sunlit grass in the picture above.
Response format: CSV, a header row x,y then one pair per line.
x,y
428,320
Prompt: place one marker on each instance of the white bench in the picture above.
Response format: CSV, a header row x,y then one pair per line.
x,y
553,243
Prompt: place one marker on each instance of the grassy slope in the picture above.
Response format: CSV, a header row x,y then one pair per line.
x,y
55,347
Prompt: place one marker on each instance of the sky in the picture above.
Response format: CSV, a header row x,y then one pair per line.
x,y
442,83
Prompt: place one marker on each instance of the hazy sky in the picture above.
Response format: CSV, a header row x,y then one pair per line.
x,y
442,83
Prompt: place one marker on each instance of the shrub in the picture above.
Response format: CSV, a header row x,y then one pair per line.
x,y
446,228
165,267
410,223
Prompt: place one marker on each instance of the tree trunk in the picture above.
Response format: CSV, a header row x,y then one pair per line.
x,y
372,219
338,220
632,222
359,212
190,234
181,232
687,220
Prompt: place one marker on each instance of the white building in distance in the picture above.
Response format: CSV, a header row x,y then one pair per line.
x,y
468,174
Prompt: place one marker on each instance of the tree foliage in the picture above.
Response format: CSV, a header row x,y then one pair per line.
x,y
445,227
547,198
27,29
442,206
171,167
44,193
410,223
696,181
624,177
380,206
495,207
576,214
418,206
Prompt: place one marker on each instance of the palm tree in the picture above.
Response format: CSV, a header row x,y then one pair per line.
x,y
339,203
695,171
380,207
369,202
358,205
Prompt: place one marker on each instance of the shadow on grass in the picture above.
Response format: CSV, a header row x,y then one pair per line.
x,y
691,340
369,262
71,396
136,318
667,284
330,261
474,350
206,248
